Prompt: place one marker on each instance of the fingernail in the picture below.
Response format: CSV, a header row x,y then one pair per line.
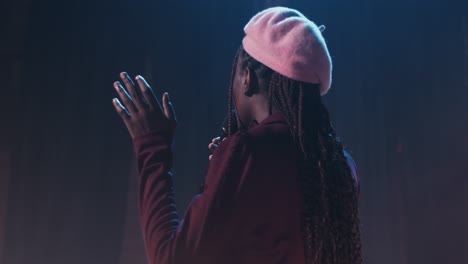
x,y
138,77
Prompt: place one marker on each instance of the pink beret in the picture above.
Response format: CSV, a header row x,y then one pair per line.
x,y
287,42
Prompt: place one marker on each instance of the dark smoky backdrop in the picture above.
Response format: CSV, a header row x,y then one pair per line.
x,y
67,175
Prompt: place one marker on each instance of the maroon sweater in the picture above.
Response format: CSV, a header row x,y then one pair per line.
x,y
249,211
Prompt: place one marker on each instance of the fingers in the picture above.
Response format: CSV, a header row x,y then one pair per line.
x,y
215,142
218,140
130,86
148,93
126,98
168,108
212,146
121,110
134,102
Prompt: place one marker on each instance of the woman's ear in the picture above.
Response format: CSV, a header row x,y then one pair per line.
x,y
250,82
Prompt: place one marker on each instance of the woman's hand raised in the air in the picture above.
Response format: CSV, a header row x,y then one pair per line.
x,y
141,111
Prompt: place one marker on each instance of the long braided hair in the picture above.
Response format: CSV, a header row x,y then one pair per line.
x,y
329,221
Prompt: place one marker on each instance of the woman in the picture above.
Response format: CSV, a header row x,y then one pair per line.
x,y
280,189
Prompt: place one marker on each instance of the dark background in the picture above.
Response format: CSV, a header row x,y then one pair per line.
x,y
67,178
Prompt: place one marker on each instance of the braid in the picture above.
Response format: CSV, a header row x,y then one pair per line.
x,y
233,71
329,217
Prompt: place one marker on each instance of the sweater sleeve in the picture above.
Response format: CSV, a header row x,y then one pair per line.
x,y
195,239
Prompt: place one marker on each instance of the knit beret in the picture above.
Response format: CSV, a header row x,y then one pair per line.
x,y
287,42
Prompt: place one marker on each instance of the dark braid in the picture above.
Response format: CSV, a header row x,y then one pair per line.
x,y
330,222
233,71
